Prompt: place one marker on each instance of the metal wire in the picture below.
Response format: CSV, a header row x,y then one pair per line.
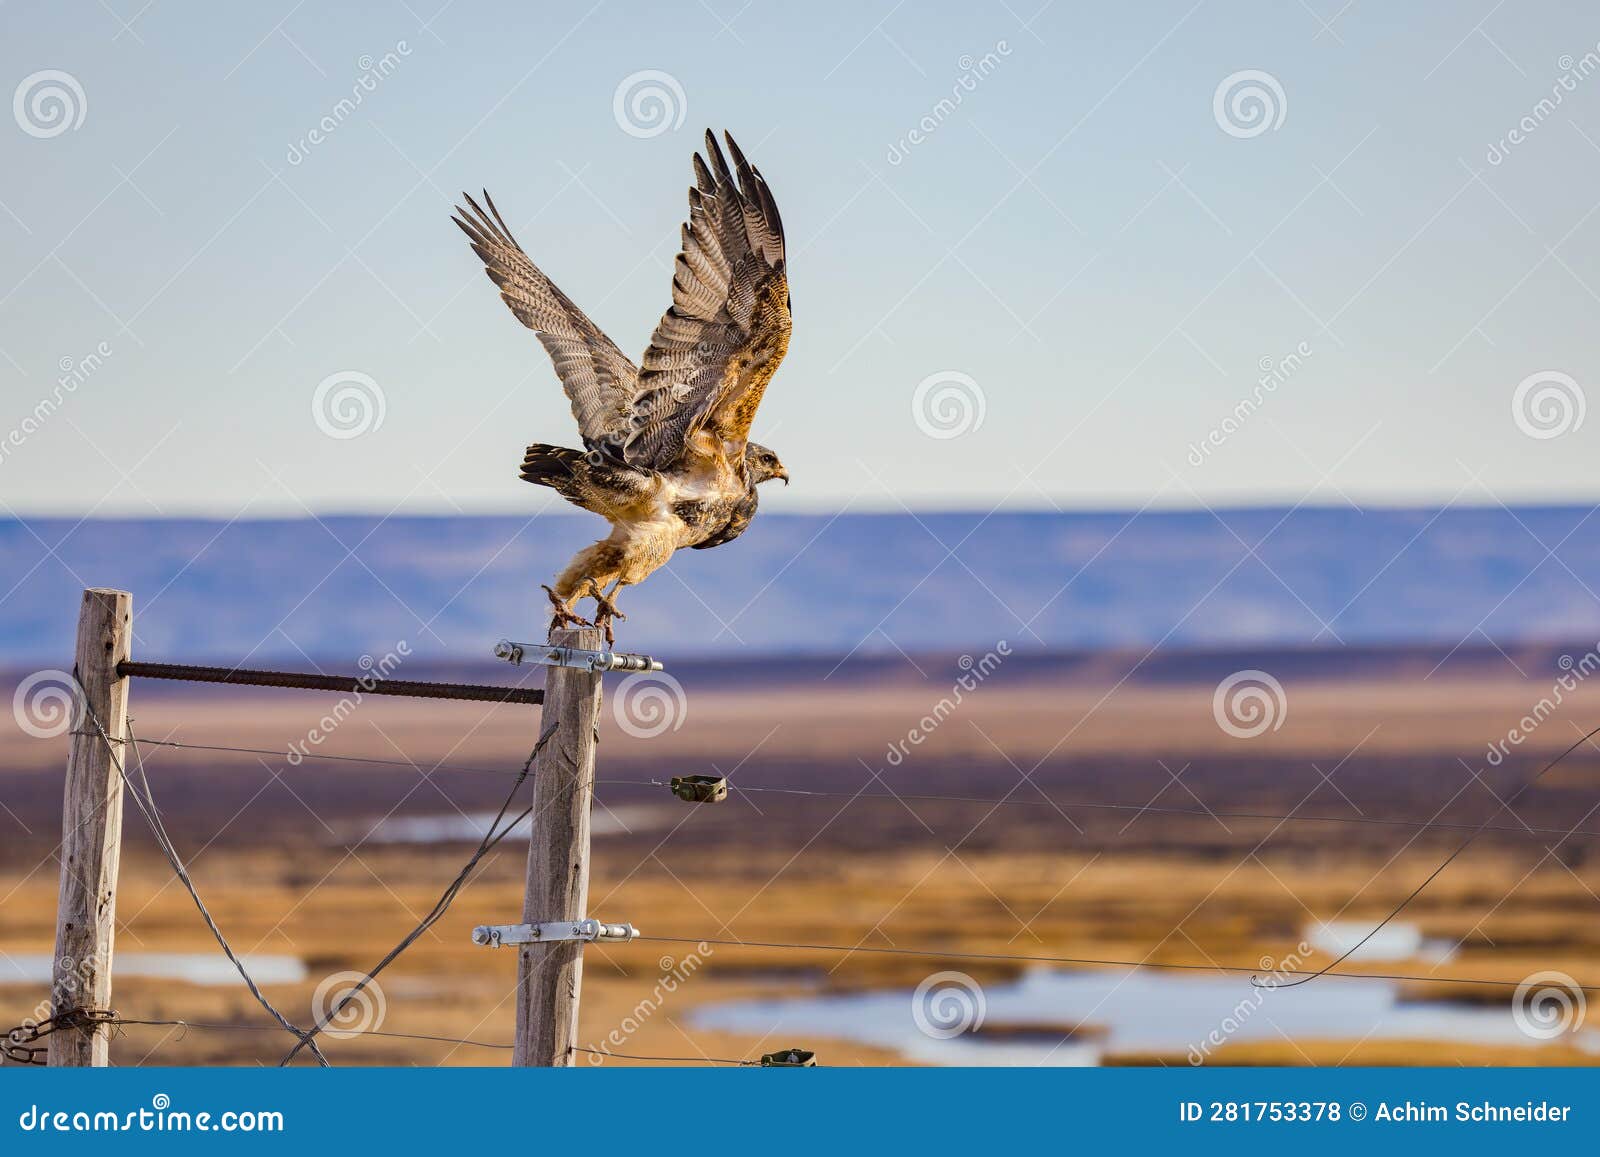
x,y
953,954
1425,825
147,805
1371,821
212,1025
1446,862
689,1060
367,684
491,837
310,757
481,1044
17,1045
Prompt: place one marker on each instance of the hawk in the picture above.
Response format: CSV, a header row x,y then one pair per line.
x,y
667,457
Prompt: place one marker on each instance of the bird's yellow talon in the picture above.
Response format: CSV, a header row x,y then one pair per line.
x,y
561,615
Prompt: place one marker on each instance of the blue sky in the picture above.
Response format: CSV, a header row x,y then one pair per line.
x,y
1087,248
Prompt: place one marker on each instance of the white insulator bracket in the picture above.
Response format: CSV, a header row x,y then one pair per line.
x,y
497,935
575,657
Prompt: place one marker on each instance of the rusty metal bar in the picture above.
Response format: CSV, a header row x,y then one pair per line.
x,y
366,685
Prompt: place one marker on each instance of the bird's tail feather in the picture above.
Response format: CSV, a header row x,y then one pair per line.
x,y
557,467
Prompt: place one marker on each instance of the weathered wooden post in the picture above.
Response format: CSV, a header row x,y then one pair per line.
x,y
91,831
549,975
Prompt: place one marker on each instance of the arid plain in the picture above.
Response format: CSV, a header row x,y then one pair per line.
x,y
1106,814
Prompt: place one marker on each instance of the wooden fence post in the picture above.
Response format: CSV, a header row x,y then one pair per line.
x,y
91,831
549,975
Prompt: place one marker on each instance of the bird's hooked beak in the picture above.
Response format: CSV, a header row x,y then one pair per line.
x,y
784,474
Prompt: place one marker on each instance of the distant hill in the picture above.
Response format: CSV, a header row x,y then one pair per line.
x,y
930,583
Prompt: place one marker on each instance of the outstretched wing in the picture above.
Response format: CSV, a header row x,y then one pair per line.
x,y
598,377
719,344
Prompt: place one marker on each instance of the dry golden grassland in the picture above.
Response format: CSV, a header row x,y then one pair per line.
x,y
283,857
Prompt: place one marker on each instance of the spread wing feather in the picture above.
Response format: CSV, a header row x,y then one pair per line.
x,y
719,344
598,378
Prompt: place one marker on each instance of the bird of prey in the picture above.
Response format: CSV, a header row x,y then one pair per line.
x,y
667,457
